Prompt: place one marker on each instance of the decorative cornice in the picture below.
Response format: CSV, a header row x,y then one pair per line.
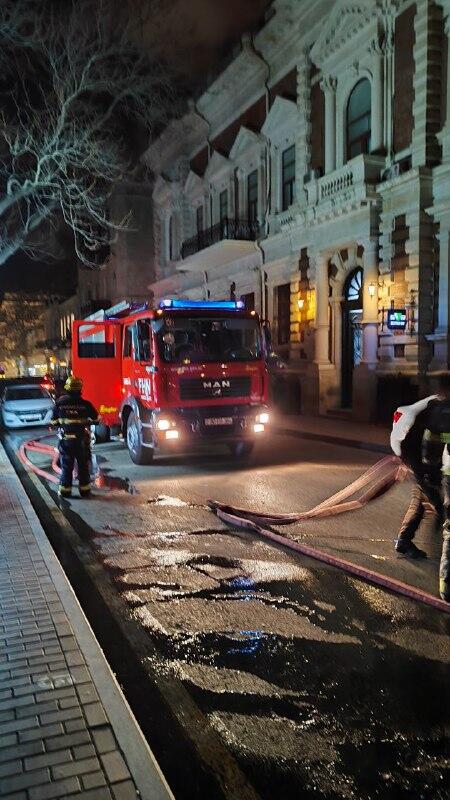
x,y
180,138
243,78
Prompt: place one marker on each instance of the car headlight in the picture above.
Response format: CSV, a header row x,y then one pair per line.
x,y
163,424
262,418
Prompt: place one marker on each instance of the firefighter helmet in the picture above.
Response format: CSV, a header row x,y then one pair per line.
x,y
73,384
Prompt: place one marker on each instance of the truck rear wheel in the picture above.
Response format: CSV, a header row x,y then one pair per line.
x,y
138,453
241,449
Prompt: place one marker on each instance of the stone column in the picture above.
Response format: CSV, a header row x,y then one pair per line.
x,y
321,341
275,170
320,387
337,331
303,137
377,122
370,304
328,86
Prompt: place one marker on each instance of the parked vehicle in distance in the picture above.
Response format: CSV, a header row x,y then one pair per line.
x,y
46,381
26,405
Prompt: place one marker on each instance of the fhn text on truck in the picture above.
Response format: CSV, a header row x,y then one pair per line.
x,y
187,372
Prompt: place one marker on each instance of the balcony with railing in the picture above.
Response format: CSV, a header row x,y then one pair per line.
x,y
229,237
351,185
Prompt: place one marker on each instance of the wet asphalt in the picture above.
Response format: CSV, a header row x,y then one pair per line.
x,y
318,684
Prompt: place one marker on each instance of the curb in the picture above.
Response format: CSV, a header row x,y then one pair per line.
x,y
140,759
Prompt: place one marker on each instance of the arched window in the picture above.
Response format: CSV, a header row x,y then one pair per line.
x,y
353,286
359,119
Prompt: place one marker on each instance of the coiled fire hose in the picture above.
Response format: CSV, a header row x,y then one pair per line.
x,y
375,482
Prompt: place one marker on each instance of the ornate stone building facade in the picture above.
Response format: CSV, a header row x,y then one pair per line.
x,y
312,177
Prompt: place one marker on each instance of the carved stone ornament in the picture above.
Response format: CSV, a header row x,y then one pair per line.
x,y
344,23
328,84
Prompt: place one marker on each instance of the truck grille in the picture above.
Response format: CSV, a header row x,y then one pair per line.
x,y
207,388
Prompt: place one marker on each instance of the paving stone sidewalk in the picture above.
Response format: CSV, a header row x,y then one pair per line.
x,y
65,728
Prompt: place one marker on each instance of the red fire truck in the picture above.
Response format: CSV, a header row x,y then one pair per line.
x,y
186,372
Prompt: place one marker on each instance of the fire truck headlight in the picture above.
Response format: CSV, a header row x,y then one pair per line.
x,y
173,434
258,427
163,424
262,418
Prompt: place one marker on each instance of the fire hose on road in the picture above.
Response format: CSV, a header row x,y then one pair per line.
x,y
373,483
37,445
376,481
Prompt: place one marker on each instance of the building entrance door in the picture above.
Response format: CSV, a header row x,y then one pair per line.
x,y
352,313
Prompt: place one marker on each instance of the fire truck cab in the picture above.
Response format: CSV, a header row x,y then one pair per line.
x,y
184,373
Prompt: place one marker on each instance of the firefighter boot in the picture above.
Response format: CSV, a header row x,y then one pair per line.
x,y
409,549
444,567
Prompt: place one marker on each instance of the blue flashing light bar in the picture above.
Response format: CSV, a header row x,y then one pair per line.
x,y
211,305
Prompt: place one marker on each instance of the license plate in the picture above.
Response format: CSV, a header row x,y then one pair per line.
x,y
32,419
219,421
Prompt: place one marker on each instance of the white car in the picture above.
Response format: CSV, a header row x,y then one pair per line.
x,y
26,405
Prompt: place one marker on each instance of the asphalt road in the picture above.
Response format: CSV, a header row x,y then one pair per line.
x,y
319,685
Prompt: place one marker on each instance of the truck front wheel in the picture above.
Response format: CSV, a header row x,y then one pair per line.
x,y
138,453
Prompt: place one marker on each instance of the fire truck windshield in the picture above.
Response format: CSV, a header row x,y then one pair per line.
x,y
184,340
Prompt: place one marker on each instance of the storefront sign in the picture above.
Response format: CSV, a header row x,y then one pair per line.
x,y
396,319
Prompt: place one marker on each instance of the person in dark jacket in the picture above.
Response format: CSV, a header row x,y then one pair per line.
x,y
435,457
73,416
425,492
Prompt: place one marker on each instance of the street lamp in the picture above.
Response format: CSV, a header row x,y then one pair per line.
x,y
300,303
371,289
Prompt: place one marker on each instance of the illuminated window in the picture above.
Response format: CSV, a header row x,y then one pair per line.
x,y
355,286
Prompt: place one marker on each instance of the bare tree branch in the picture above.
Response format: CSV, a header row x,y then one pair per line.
x,y
77,91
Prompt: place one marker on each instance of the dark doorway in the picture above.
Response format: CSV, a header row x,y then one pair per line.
x,y
352,312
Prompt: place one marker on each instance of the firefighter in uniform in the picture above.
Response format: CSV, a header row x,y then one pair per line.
x,y
435,456
73,415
